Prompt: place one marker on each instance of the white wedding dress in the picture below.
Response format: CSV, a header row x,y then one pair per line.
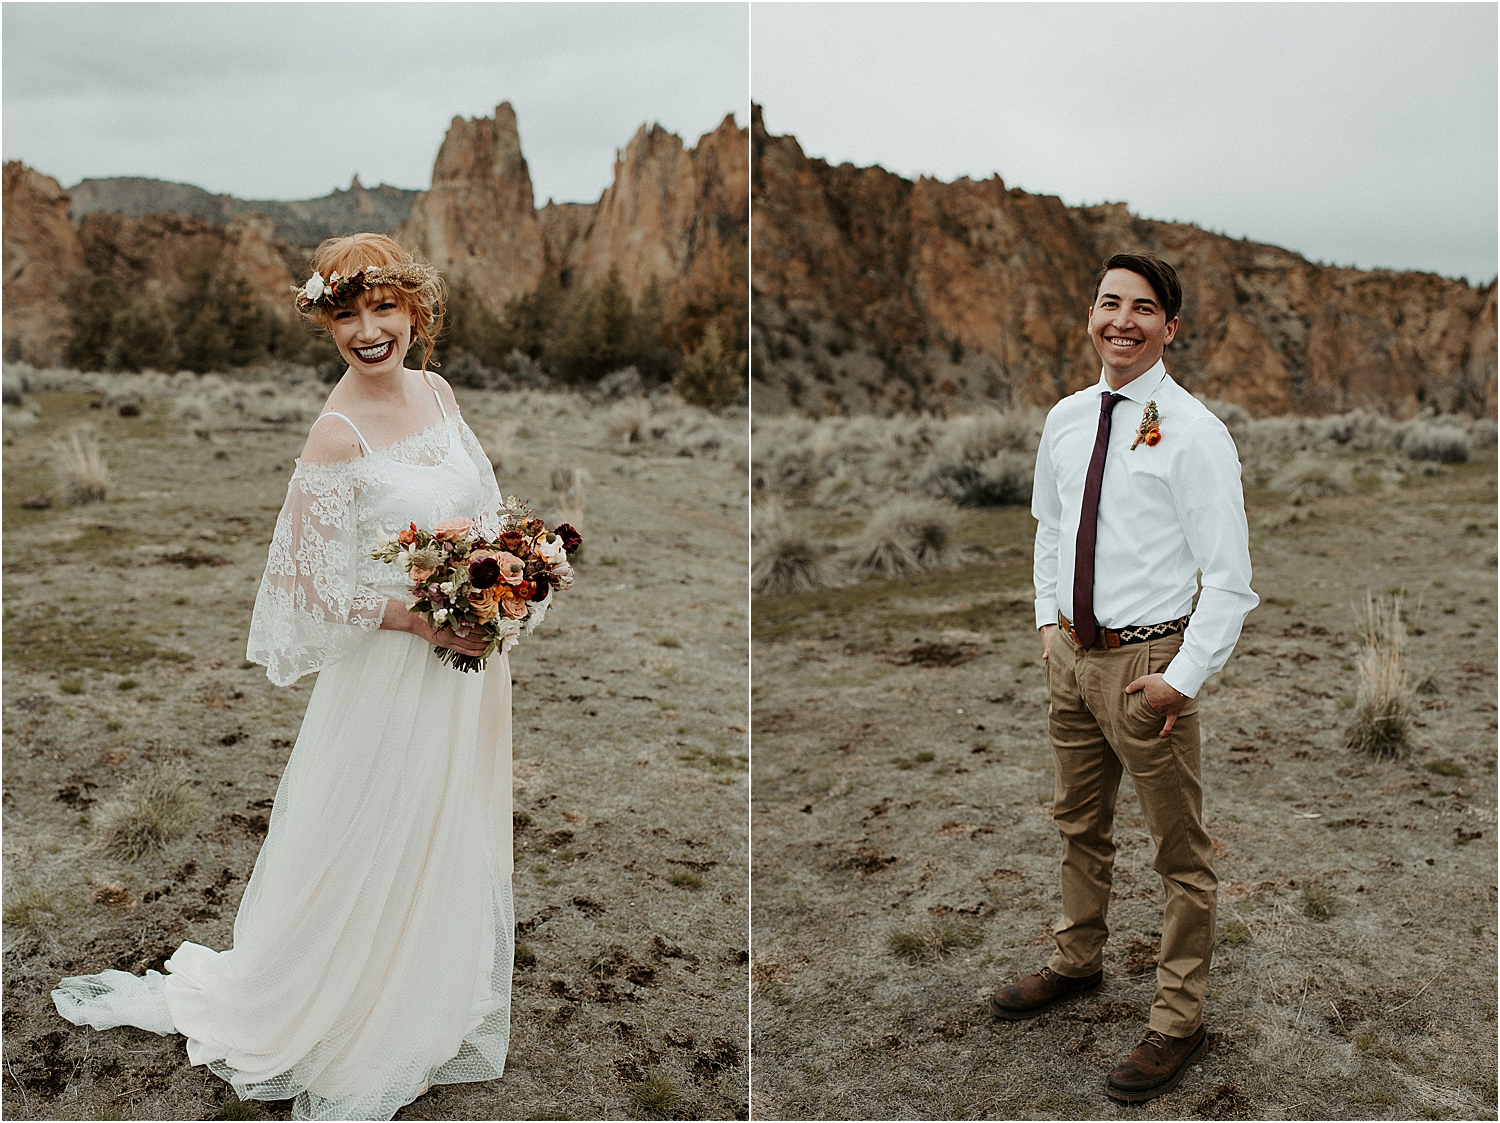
x,y
373,946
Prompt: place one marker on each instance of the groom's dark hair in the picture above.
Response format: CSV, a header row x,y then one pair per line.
x,y
1159,275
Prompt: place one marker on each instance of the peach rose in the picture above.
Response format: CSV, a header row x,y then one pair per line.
x,y
512,568
451,530
515,609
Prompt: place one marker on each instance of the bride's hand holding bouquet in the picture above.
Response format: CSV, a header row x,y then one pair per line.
x,y
479,586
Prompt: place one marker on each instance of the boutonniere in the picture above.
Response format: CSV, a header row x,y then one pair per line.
x,y
1150,429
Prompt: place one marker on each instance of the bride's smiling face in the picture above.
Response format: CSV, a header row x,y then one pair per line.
x,y
373,332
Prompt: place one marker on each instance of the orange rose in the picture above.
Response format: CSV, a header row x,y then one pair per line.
x,y
451,530
485,604
1153,437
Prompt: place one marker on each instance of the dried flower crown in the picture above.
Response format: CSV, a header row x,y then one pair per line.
x,y
336,290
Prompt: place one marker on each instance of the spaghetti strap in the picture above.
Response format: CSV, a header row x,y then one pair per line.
x,y
362,442
436,395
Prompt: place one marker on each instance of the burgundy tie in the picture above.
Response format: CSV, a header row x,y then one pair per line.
x,y
1088,530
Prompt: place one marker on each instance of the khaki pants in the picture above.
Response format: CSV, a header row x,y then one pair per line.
x,y
1097,731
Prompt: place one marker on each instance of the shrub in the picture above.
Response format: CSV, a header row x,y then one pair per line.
x,y
80,466
907,536
149,812
1003,480
1382,716
711,376
1315,477
628,421
784,560
1439,443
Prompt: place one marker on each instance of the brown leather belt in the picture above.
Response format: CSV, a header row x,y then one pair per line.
x,y
1124,636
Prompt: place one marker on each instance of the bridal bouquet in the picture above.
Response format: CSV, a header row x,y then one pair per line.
x,y
480,578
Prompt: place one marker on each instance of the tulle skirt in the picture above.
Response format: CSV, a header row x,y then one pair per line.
x,y
373,947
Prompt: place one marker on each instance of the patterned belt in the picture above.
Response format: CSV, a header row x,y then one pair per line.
x,y
1125,636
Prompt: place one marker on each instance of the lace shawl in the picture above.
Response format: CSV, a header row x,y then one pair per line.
x,y
312,608
321,593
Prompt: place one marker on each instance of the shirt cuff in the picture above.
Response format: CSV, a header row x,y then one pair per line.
x,y
1046,611
1185,676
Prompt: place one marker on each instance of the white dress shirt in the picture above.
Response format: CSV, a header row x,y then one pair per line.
x,y
1167,513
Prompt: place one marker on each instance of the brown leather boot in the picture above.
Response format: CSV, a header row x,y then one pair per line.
x,y
1028,997
1156,1066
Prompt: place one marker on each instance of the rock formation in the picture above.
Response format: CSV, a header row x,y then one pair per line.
x,y
41,255
478,223
872,292
679,215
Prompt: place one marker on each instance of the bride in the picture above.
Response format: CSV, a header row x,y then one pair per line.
x,y
373,946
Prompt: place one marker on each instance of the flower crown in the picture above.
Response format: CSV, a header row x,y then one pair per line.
x,y
318,293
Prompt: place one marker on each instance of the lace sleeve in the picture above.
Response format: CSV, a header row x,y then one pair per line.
x,y
489,491
311,609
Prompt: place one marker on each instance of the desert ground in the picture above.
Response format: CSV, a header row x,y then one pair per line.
x,y
905,861
125,625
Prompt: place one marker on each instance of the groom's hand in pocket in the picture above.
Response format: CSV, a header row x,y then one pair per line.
x,y
1047,631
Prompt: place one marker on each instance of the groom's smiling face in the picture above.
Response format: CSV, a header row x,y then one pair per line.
x,y
1129,328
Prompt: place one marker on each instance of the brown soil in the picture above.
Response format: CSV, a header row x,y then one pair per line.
x,y
629,744
902,800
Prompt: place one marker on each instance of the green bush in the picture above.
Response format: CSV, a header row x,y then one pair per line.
x,y
711,376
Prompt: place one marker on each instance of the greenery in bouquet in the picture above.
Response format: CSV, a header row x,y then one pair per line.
x,y
489,578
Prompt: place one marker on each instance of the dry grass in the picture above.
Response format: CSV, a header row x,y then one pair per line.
x,y
30,907
655,1097
784,560
81,470
905,537
1382,717
151,811
931,941
629,421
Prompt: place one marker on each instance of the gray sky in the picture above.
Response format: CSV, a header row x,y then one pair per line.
x,y
287,101
1358,134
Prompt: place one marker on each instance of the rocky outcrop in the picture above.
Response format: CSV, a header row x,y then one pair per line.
x,y
872,292
478,223
667,210
42,254
148,256
675,214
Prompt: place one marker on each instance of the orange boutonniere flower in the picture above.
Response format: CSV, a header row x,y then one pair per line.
x,y
1150,428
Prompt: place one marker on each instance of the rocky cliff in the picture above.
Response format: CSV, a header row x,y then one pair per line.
x,y
675,214
671,213
872,292
41,255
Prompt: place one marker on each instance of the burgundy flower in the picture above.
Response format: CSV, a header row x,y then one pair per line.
x,y
511,540
571,539
484,573
540,591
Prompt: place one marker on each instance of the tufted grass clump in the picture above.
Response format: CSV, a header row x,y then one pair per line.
x,y
655,1097
1315,477
907,536
148,813
686,879
1319,901
926,943
79,463
784,560
1382,711
30,907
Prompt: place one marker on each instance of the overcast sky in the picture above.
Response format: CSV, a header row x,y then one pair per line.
x,y
288,101
1358,134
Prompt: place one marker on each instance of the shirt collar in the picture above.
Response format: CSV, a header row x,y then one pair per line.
x,y
1141,387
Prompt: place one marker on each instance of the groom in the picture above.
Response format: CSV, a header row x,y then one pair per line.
x,y
1137,493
